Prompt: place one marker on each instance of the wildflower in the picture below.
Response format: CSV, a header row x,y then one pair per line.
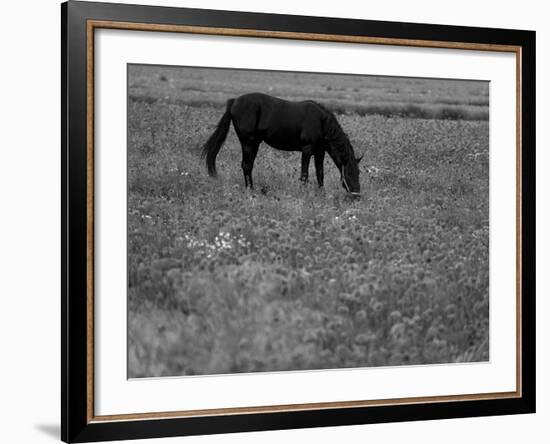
x,y
397,330
361,315
342,351
364,338
395,316
343,310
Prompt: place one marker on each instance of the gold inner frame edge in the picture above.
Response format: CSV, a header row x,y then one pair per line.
x,y
235,32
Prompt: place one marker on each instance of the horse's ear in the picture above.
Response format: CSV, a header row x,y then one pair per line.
x,y
358,159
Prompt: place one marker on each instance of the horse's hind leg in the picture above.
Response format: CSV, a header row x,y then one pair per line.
x,y
249,154
306,156
320,167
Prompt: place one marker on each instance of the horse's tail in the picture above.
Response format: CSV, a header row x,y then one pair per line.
x,y
215,141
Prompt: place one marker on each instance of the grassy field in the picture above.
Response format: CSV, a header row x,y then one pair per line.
x,y
287,277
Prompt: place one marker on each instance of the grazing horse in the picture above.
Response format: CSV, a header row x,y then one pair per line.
x,y
303,126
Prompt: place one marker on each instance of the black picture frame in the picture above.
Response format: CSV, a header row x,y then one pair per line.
x,y
76,423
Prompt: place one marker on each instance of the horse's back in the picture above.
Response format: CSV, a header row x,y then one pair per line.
x,y
274,106
283,124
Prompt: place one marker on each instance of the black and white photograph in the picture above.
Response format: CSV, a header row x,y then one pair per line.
x,y
253,222
283,221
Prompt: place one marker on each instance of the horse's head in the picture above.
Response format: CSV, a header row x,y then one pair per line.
x,y
350,177
340,149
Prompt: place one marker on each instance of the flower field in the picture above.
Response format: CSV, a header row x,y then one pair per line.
x,y
292,277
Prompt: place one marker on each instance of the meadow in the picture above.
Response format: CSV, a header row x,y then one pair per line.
x,y
287,276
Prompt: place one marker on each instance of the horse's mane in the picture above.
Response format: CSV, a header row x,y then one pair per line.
x,y
334,132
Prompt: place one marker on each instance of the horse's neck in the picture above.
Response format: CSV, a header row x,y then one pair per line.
x,y
337,159
340,153
338,144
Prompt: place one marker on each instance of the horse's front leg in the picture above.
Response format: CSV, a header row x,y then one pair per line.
x,y
306,156
320,167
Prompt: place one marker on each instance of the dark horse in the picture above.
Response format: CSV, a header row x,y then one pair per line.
x,y
303,126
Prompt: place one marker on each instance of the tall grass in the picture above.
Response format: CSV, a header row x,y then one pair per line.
x,y
290,277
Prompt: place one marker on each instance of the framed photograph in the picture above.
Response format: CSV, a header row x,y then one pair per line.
x,y
276,221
